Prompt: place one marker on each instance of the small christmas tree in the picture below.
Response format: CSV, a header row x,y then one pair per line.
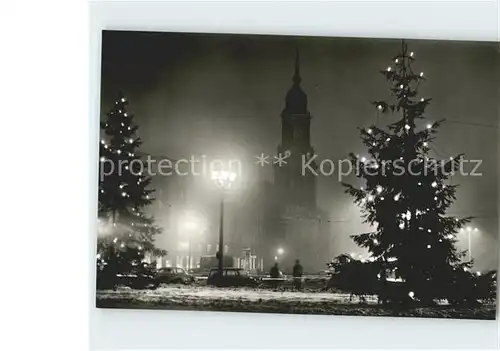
x,y
123,195
406,195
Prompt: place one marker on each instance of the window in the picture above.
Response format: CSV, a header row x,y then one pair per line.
x,y
231,273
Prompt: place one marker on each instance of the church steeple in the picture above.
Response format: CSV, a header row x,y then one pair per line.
x,y
296,75
296,99
295,190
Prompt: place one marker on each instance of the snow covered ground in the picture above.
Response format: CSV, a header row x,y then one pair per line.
x,y
180,292
182,297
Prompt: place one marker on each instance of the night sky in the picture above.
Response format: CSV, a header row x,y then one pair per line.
x,y
223,95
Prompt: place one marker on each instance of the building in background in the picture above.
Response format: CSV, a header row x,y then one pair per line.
x,y
276,221
295,228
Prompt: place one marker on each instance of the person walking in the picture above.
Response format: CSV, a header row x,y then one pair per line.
x,y
274,274
297,275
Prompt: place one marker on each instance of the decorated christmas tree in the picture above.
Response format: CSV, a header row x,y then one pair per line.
x,y
406,195
127,233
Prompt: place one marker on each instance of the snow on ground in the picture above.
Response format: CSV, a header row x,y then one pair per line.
x,y
178,292
269,301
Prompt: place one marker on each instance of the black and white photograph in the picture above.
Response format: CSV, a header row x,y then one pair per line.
x,y
298,175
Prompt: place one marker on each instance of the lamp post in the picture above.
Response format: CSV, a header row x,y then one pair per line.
x,y
190,254
469,233
220,253
223,180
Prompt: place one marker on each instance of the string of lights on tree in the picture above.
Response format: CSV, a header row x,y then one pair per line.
x,y
405,197
124,191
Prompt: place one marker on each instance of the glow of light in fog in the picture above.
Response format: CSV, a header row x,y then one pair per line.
x,y
223,179
183,245
190,225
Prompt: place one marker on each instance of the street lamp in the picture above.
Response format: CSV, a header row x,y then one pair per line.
x,y
223,180
280,251
469,232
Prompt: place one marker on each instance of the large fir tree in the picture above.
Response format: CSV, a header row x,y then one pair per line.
x,y
406,194
124,193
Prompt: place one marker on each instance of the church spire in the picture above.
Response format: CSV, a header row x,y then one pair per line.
x,y
296,75
296,99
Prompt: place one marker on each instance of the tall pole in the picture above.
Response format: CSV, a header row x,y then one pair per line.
x,y
470,246
189,254
221,234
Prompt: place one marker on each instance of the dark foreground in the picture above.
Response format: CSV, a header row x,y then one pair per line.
x,y
265,301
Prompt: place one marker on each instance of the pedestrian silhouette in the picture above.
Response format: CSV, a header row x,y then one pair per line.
x,y
274,272
297,274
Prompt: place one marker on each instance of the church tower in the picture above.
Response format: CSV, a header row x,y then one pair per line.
x,y
297,189
295,228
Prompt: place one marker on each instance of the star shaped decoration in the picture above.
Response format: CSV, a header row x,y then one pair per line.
x,y
262,160
280,159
